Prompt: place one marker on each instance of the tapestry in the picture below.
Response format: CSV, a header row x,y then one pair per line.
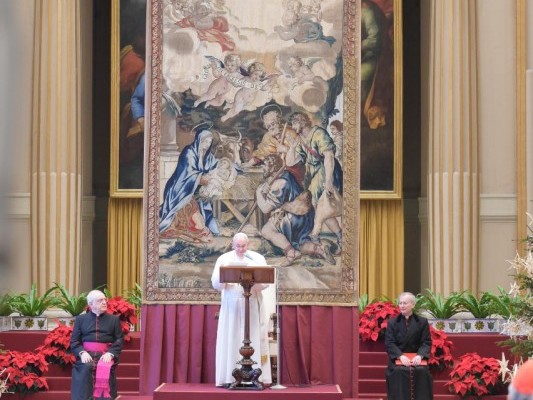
x,y
253,119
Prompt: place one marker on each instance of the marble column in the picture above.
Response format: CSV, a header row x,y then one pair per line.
x,y
453,181
56,145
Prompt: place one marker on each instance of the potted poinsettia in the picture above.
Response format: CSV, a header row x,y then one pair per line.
x,y
56,347
373,320
473,375
126,313
441,350
24,371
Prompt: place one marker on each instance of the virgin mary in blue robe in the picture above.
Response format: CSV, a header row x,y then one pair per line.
x,y
194,161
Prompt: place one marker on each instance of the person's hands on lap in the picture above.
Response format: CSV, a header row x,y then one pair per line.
x,y
107,357
405,361
416,361
85,357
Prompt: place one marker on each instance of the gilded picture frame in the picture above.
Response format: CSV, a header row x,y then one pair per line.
x,y
128,53
381,100
193,43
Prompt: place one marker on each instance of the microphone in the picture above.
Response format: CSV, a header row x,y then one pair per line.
x,y
248,256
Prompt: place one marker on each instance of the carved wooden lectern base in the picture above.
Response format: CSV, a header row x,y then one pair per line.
x,y
246,374
247,377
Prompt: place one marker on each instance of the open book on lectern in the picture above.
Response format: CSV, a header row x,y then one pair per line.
x,y
236,273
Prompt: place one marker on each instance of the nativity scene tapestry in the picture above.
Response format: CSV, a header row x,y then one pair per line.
x,y
253,127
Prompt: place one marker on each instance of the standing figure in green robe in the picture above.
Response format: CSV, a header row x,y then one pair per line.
x,y
323,172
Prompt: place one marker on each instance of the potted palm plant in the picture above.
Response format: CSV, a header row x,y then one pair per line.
x,y
134,296
441,310
505,305
30,308
71,304
5,312
481,310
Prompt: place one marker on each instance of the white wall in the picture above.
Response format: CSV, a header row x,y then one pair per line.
x,y
16,69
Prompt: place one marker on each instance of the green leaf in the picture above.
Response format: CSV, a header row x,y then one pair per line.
x,y
32,305
438,306
72,304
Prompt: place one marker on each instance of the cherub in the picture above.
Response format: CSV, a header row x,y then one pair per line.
x,y
301,71
226,73
299,26
294,6
253,84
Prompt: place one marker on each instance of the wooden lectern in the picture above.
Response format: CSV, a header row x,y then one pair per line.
x,y
246,377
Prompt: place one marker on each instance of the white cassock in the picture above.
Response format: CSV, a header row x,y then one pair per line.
x,y
230,333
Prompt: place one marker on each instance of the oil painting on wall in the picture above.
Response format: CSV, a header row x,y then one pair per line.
x,y
128,53
254,128
381,99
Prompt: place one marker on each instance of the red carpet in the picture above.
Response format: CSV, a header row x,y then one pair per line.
x,y
191,391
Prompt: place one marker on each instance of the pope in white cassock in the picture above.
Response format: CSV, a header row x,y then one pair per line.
x,y
230,331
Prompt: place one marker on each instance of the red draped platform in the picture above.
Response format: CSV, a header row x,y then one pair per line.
x,y
319,346
192,391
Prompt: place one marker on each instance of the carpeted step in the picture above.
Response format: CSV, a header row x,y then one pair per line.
x,y
62,383
371,372
378,385
130,356
373,358
65,395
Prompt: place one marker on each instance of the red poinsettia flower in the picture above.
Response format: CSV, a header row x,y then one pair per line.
x,y
373,320
441,349
24,371
56,347
126,313
474,375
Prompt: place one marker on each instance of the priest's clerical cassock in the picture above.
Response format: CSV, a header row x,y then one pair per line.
x,y
408,379
96,342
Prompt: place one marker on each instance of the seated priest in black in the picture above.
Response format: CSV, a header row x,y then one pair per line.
x,y
96,342
407,379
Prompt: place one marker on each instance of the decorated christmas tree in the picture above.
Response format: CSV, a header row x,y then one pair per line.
x,y
520,325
